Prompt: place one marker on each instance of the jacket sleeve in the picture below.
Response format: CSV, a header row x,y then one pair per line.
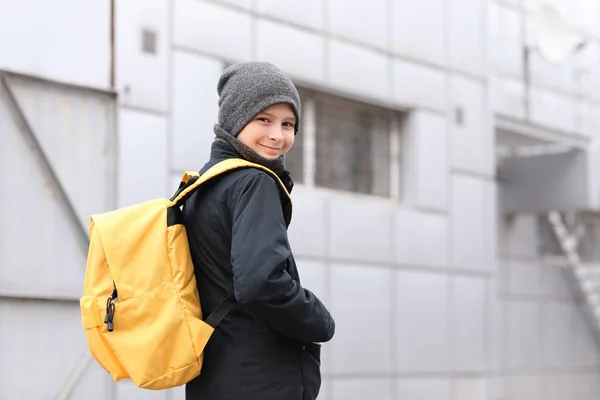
x,y
259,255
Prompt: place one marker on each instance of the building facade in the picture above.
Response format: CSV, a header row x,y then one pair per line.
x,y
439,277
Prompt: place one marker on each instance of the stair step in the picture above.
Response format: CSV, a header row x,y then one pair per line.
x,y
584,272
594,299
591,285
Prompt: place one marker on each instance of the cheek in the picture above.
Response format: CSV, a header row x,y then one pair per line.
x,y
248,135
289,141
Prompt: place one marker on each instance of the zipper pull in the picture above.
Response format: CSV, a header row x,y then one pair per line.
x,y
110,310
111,315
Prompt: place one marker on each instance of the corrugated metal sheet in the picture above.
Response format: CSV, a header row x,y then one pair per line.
x,y
40,247
49,134
42,342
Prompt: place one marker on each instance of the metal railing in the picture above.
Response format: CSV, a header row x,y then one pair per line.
x,y
585,280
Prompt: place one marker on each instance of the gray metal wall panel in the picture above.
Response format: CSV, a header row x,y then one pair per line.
x,y
41,344
42,252
76,129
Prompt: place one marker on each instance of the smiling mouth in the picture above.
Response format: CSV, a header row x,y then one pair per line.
x,y
269,147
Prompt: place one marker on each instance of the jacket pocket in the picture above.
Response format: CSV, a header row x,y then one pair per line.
x,y
311,370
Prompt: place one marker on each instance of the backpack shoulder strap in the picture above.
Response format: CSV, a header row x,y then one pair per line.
x,y
220,311
190,181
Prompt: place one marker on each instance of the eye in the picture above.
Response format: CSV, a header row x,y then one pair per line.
x,y
288,124
262,119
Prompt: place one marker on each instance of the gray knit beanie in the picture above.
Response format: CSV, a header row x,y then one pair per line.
x,y
248,88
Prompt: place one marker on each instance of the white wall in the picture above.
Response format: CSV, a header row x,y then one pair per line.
x,y
424,269
544,347
446,320
66,40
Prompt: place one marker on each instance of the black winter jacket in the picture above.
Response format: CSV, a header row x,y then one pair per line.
x,y
263,349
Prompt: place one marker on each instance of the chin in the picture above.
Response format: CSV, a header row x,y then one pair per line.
x,y
268,156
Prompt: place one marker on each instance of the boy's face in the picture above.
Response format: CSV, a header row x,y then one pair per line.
x,y
271,132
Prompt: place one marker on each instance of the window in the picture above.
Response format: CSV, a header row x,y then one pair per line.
x,y
346,145
294,159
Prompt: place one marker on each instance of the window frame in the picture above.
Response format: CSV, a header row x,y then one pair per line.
x,y
308,121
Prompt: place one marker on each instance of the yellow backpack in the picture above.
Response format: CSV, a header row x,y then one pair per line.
x,y
140,308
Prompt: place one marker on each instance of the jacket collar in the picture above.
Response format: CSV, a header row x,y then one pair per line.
x,y
220,151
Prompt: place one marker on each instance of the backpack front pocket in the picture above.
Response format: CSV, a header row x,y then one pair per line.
x,y
94,326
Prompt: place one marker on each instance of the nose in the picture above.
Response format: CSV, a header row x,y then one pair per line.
x,y
275,134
